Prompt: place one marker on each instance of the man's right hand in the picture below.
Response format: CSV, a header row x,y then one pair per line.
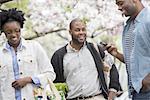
x,y
146,83
114,52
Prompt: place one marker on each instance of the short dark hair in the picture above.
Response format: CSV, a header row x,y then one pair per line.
x,y
11,15
75,20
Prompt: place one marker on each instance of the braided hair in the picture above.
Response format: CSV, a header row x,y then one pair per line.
x,y
11,15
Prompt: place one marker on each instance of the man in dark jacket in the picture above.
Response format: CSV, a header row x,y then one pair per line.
x,y
80,66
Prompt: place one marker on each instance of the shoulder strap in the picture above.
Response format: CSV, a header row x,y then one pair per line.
x,y
99,50
99,66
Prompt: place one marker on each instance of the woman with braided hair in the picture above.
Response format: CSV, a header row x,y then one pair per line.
x,y
23,64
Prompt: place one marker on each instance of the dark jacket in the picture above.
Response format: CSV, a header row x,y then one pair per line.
x,y
57,63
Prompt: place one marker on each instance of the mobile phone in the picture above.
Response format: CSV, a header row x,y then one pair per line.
x,y
103,43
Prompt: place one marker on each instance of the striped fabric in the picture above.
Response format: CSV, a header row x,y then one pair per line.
x,y
128,46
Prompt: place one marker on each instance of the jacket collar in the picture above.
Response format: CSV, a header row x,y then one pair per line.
x,y
22,45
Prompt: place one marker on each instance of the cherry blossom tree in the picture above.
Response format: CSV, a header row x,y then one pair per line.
x,y
100,15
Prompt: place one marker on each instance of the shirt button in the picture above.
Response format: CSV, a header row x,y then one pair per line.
x,y
19,60
21,73
31,61
0,66
24,99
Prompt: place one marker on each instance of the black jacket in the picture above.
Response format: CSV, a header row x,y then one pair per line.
x,y
57,63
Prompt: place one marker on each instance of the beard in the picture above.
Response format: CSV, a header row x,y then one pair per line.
x,y
78,40
129,11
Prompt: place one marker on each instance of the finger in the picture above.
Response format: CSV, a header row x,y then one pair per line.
x,y
108,47
13,82
16,85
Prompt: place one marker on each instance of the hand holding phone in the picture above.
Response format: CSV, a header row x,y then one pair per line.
x,y
110,48
105,45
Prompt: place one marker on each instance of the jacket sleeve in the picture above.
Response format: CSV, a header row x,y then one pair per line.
x,y
57,63
46,70
114,79
114,75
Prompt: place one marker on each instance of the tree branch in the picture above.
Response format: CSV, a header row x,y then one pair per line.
x,y
105,29
63,37
4,1
43,34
